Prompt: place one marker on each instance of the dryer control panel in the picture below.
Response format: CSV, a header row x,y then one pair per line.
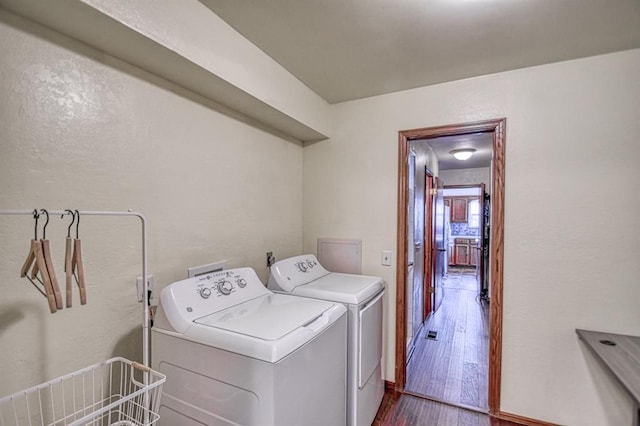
x,y
185,301
288,274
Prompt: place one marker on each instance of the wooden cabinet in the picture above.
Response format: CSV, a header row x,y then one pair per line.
x,y
459,209
473,254
462,253
465,252
452,253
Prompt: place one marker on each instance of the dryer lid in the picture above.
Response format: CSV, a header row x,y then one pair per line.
x,y
343,288
268,318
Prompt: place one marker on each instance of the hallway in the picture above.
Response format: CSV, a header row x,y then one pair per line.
x,y
454,366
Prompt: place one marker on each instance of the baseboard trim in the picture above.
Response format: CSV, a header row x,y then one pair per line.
x,y
520,420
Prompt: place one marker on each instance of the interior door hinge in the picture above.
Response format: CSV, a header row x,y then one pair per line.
x,y
432,290
433,191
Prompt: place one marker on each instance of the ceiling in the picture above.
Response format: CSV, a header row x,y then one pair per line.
x,y
351,49
442,147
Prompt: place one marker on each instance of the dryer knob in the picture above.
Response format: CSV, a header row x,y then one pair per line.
x,y
242,283
302,266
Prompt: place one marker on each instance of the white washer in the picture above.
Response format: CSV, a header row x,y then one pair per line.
x,y
362,295
237,354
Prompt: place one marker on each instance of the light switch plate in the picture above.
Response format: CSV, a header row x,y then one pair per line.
x,y
386,257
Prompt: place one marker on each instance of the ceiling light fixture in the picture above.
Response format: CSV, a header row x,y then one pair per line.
x,y
462,154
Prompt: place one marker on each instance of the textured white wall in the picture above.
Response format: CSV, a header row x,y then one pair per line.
x,y
571,228
468,177
83,130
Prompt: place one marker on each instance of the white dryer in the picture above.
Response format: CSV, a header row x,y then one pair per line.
x,y
362,295
235,353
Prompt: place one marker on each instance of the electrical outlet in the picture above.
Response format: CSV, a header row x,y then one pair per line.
x,y
386,257
270,259
139,285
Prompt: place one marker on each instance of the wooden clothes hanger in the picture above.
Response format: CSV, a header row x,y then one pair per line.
x,y
77,267
46,249
73,261
68,270
40,262
36,254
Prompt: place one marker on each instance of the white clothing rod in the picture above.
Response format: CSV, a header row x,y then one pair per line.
x,y
145,302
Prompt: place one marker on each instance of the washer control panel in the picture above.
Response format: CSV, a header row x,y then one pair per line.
x,y
222,283
186,300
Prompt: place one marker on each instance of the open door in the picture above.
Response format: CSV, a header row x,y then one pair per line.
x,y
483,263
416,250
439,247
429,302
480,249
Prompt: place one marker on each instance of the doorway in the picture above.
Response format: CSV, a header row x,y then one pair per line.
x,y
497,130
467,219
449,362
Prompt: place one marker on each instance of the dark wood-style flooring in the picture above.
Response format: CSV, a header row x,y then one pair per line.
x,y
406,410
454,367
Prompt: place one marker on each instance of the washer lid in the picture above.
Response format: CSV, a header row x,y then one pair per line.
x,y
343,288
269,318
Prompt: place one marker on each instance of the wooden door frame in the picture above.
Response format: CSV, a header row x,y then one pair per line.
x,y
496,256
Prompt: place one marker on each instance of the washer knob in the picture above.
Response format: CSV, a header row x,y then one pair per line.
x,y
225,287
301,266
242,283
205,292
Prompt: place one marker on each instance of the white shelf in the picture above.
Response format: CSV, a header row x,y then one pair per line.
x,y
213,60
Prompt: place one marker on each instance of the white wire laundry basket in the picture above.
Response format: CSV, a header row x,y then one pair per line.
x,y
116,392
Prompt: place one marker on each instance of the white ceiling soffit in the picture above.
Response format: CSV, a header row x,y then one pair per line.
x,y
352,49
174,40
